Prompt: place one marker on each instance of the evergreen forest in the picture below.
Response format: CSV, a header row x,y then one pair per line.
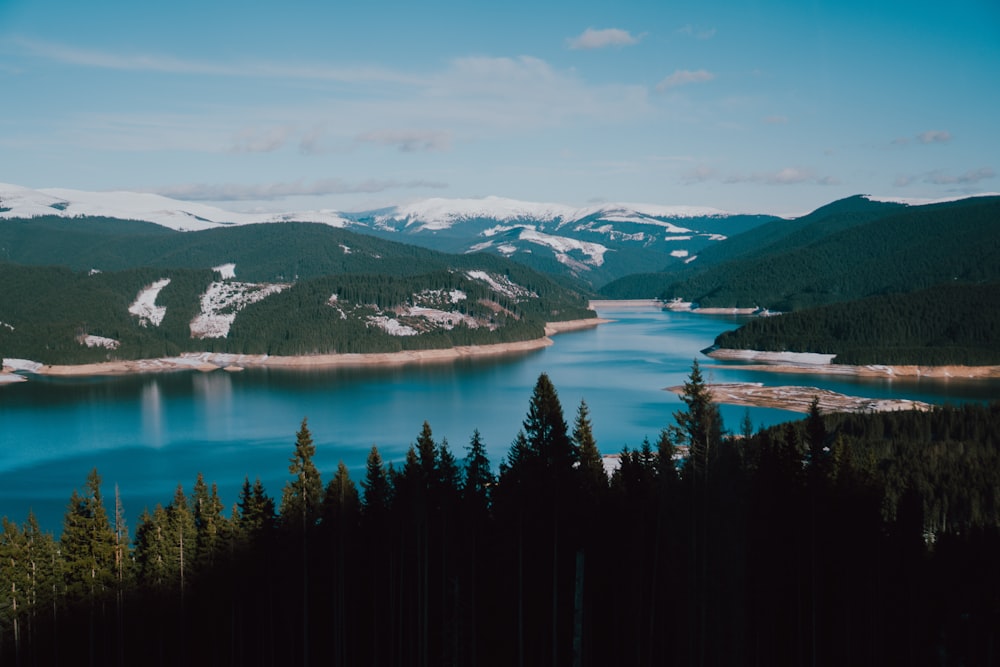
x,y
323,296
840,539
948,324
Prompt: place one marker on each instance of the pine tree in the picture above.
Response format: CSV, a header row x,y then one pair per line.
x,y
699,427
256,513
478,478
593,476
209,523
377,493
303,495
88,543
151,548
181,539
340,499
545,428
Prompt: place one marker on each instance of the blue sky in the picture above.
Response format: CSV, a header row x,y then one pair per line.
x,y
750,106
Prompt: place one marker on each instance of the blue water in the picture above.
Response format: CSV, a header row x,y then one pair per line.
x,y
149,433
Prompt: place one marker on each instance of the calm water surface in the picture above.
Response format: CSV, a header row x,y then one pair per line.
x,y
149,433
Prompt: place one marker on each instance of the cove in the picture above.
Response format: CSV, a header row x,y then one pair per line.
x,y
149,433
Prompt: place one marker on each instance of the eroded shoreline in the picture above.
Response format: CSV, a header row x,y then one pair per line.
x,y
210,361
821,364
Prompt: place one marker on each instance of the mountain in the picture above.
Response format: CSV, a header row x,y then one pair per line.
x,y
591,245
848,249
81,290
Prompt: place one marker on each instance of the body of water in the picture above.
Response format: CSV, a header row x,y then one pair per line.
x,y
149,433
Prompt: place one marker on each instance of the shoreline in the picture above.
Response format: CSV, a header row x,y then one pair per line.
x,y
211,361
821,364
799,399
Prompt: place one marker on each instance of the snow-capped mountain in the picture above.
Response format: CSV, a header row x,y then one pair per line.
x,y
594,243
21,202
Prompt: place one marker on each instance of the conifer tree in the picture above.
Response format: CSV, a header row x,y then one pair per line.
x,y
303,494
545,427
340,499
593,477
375,486
256,513
699,427
478,478
88,543
208,520
181,538
151,548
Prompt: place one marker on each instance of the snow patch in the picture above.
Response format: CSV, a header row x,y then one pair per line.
x,y
391,325
7,326
100,341
679,253
223,300
563,246
225,271
144,307
501,284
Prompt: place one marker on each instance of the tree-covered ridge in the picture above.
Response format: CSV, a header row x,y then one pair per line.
x,y
838,539
911,249
951,324
477,299
844,251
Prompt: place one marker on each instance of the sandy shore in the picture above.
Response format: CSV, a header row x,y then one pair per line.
x,y
798,399
793,362
207,361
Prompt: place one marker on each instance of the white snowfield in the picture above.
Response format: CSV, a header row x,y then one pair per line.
x,y
221,302
21,202
502,284
225,271
439,213
431,214
144,307
563,245
101,341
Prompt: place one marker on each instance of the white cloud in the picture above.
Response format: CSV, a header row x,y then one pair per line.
x,y
257,140
683,77
409,141
138,62
968,178
785,176
699,33
599,39
934,137
273,191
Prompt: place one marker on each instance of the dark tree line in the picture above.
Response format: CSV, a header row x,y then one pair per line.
x,y
943,325
840,539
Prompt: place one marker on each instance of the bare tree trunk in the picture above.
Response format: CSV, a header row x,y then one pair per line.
x,y
578,612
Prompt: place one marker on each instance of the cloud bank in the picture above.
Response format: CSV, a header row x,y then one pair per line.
x,y
600,39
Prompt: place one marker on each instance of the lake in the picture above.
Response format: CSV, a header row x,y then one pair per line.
x,y
148,433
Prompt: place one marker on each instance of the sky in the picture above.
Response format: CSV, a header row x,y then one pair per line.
x,y
752,106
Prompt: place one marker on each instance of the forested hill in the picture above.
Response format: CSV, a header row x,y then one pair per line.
x,y
864,540
951,324
847,250
130,290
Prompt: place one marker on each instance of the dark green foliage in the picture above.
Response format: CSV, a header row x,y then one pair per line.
x,y
954,324
88,543
48,311
860,539
905,249
302,496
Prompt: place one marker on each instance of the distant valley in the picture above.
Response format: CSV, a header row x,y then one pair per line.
x,y
91,276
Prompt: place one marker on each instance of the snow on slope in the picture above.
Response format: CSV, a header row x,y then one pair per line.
x,y
21,202
221,302
144,307
916,201
439,213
